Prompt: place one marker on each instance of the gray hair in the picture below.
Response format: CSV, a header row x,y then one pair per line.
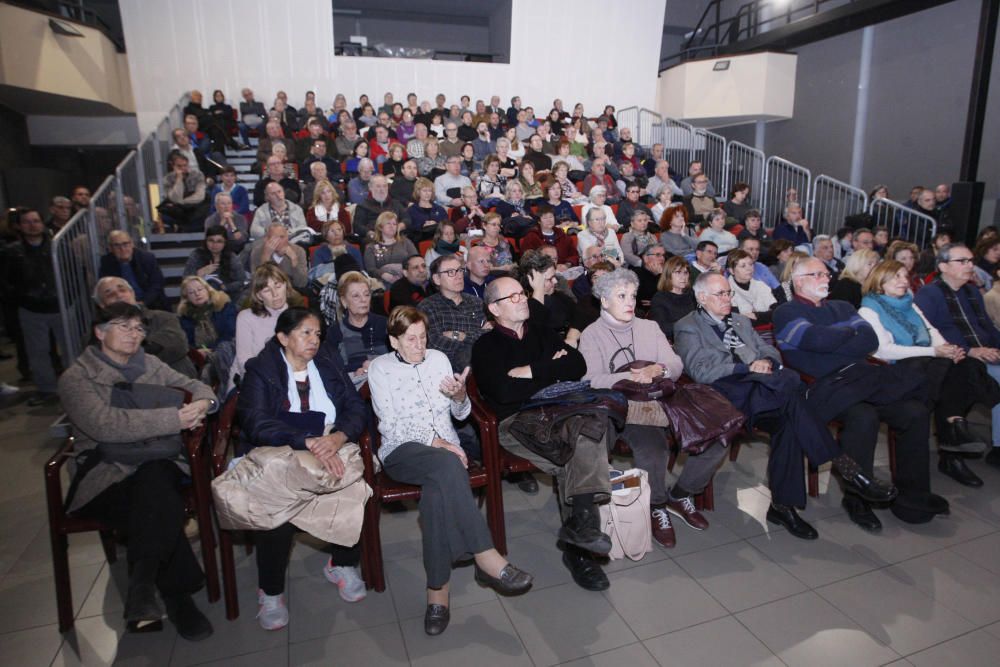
x,y
597,190
607,283
821,237
944,254
365,162
701,282
593,211
59,200
96,294
219,194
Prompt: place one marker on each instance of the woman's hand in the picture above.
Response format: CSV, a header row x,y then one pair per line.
x,y
648,374
208,269
192,414
454,449
325,449
454,386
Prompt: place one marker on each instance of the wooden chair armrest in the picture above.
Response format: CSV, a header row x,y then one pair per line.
x,y
367,456
53,479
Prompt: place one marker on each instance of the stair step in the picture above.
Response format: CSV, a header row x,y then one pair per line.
x,y
171,253
172,271
175,237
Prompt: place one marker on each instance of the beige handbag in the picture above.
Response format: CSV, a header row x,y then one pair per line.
x,y
626,517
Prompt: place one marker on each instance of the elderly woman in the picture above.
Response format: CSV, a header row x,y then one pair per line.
x,y
269,290
216,263
598,197
674,297
384,256
954,382
751,297
415,395
637,238
608,345
334,245
491,185
425,213
432,164
206,314
514,211
848,287
508,161
598,234
446,242
129,464
716,232
676,237
325,206
296,394
234,222
362,332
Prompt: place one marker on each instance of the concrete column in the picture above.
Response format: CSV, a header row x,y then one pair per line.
x,y
861,111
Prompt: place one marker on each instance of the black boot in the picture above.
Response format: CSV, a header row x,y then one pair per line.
x,y
953,466
960,439
143,612
191,624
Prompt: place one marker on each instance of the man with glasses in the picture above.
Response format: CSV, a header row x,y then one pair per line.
x,y
137,267
513,362
451,145
955,307
720,347
654,256
631,206
448,186
456,319
689,186
829,341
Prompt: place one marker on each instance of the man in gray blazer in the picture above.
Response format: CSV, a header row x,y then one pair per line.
x,y
721,348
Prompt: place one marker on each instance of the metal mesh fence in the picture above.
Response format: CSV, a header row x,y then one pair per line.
x,y
710,149
678,144
903,222
75,260
784,183
832,202
745,164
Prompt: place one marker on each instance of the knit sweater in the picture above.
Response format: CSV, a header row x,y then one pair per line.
x,y
822,339
931,301
603,344
409,403
757,298
252,332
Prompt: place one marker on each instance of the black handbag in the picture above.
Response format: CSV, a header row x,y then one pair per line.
x,y
656,390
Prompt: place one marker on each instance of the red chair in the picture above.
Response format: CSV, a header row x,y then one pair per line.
x,y
226,433
385,302
198,502
425,245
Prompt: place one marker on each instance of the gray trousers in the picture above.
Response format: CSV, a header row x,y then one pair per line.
x,y
650,448
35,327
585,472
451,524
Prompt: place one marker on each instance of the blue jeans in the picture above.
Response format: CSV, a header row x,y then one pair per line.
x,y
994,371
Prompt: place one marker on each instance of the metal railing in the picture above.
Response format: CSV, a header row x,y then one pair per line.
x,y
678,144
131,211
629,117
650,129
784,183
710,149
745,164
75,261
831,202
903,222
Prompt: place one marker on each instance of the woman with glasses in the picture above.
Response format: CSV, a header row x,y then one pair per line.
x,y
610,346
751,297
674,297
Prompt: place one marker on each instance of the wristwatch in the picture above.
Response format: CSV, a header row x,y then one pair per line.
x,y
454,334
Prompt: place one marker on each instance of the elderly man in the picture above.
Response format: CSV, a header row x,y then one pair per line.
x,y
375,204
128,411
662,180
793,227
184,203
275,247
451,145
304,146
705,254
411,288
954,306
448,186
319,151
831,342
278,210
276,174
415,146
478,270
457,319
227,183
347,140
511,364
598,176
654,256
235,224
60,211
823,251
721,348
688,185
402,186
317,173
165,339
137,267
357,187
252,114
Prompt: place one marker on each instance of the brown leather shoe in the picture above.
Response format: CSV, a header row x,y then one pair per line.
x,y
685,510
663,531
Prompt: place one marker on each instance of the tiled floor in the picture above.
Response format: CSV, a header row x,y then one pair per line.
x,y
741,593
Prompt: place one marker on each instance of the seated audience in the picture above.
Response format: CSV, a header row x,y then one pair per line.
x,y
753,226
649,271
456,319
597,234
362,332
478,268
137,267
183,205
721,348
388,249
566,217
276,174
674,297
750,297
690,183
403,185
828,340
717,234
987,254
515,216
751,246
448,186
705,255
128,412
856,270
630,205
238,194
433,163
416,395
547,234
377,202
501,256
699,202
608,345
235,224
526,177
598,199
425,213
676,236
823,251
296,394
781,251
661,184
324,259
738,205
275,248
470,214
793,227
206,314
445,242
553,307
412,286
325,207
269,296
216,263
906,253
278,210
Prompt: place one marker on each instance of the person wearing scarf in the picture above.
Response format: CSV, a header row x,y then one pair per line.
x,y
954,382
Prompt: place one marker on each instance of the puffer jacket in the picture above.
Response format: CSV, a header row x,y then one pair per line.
x,y
31,282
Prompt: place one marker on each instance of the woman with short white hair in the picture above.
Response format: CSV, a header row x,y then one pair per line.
x,y
598,198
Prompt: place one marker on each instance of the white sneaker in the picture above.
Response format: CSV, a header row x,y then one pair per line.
x,y
273,614
348,580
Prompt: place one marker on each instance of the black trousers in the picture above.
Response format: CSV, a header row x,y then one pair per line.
x,y
148,508
273,549
910,420
953,389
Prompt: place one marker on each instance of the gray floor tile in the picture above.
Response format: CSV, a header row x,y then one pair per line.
x,y
102,640
565,623
739,576
84,549
275,657
35,647
477,634
538,554
30,600
975,649
691,541
955,582
720,642
382,645
806,630
408,584
647,598
813,562
316,610
894,611
107,595
634,655
982,551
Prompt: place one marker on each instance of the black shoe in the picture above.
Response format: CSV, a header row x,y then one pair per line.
x,y
787,516
960,439
916,504
955,467
436,619
582,530
42,398
524,481
511,581
859,483
191,624
861,513
993,457
586,571
937,504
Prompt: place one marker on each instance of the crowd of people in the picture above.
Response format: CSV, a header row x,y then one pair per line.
x,y
422,256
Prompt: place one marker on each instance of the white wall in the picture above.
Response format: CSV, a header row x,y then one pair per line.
x,y
228,44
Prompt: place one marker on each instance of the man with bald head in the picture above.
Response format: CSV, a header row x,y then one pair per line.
x,y
276,174
721,348
277,209
478,269
375,204
165,339
137,267
829,341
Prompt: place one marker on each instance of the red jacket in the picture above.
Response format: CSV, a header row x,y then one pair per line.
x,y
565,246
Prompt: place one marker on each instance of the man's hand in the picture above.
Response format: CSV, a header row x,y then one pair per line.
x,y
325,449
522,372
761,366
454,449
988,355
271,244
536,280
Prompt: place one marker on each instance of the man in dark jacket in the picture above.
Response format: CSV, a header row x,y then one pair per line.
x,y
511,363
31,282
276,174
377,202
411,288
137,267
831,342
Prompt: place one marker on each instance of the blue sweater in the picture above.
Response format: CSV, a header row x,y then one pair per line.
x,y
819,340
930,299
419,216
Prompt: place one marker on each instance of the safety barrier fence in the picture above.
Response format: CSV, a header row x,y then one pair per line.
x,y
903,222
832,202
650,128
744,164
710,149
784,183
75,259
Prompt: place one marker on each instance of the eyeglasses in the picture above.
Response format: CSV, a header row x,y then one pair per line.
x,y
656,254
451,273
817,274
961,260
130,329
516,297
727,294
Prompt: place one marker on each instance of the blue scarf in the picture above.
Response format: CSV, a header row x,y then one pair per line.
x,y
898,316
